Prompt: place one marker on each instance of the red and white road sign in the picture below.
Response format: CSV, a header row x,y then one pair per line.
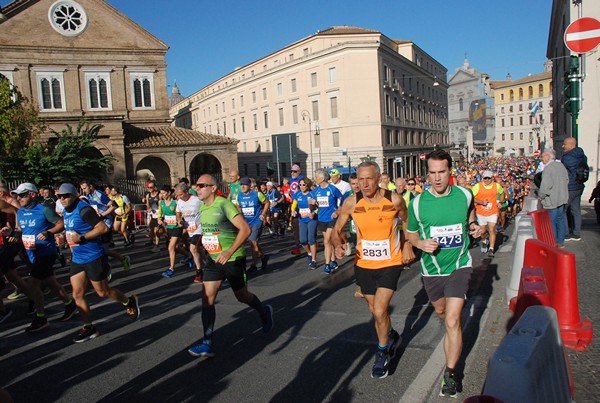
x,y
422,157
583,35
536,153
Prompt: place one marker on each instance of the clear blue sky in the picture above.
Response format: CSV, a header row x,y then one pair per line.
x,y
209,39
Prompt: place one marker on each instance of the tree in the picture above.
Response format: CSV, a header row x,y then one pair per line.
x,y
68,157
19,126
501,150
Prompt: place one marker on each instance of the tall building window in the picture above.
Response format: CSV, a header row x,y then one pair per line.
x,y
255,121
335,137
264,92
530,89
332,75
98,86
280,116
279,89
541,90
266,118
388,137
387,105
386,74
313,79
293,82
234,127
396,108
143,91
295,114
232,103
243,122
241,101
334,107
51,91
315,110
512,136
520,136
253,97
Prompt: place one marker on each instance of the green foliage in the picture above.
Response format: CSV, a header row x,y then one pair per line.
x,y
501,150
70,157
19,126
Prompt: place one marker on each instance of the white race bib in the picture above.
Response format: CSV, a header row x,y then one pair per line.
x,y
170,219
323,201
211,244
375,250
248,211
448,236
304,212
28,241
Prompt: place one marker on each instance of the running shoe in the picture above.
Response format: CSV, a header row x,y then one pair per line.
x,y
296,251
309,259
268,325
334,266
126,263
168,273
86,333
6,314
197,279
38,323
30,308
393,343
133,307
186,260
312,265
203,349
451,384
17,294
264,261
484,246
70,310
155,249
327,269
380,367
251,270
490,252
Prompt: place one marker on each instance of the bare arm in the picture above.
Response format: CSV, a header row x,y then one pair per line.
x,y
338,236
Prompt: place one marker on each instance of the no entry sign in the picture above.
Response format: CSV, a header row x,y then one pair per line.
x,y
583,35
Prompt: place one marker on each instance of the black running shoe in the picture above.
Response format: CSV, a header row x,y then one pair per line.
x,y
264,261
70,310
133,307
86,333
38,323
451,384
393,343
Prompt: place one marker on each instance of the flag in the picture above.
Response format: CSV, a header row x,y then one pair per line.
x,y
534,108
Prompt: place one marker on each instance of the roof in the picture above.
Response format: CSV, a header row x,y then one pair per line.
x,y
166,136
346,30
496,84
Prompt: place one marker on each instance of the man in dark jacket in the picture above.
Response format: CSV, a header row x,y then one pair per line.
x,y
572,159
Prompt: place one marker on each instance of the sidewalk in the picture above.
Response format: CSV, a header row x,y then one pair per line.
x,y
480,342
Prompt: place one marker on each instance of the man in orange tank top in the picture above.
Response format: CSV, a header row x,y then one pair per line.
x,y
489,196
380,254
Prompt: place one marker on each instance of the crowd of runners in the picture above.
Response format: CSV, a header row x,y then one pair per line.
x,y
385,222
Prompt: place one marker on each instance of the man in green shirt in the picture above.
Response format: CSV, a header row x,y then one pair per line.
x,y
224,232
437,224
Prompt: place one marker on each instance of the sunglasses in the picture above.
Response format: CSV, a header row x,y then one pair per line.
x,y
203,185
21,195
487,177
294,171
410,184
302,184
64,196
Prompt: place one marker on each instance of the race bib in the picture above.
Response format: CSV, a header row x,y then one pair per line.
x,y
70,238
304,212
211,244
191,227
28,241
170,219
323,201
448,236
488,207
248,211
376,250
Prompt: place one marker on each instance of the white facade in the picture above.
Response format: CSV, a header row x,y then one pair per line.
x,y
342,95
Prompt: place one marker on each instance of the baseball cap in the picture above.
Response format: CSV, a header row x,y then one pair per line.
x,y
334,172
296,167
269,183
245,181
67,188
488,174
24,188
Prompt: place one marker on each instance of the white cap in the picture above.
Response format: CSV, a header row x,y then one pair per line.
x,y
24,188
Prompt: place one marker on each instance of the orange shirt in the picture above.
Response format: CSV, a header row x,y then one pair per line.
x,y
481,192
378,228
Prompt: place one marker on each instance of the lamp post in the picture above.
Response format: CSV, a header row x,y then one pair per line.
x,y
305,115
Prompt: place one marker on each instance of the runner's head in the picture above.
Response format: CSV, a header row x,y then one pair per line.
x,y
369,176
207,188
439,167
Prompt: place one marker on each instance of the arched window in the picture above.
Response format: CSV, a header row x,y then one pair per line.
x,y
512,95
541,90
530,91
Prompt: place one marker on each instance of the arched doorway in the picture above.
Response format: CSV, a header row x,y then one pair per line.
x,y
205,164
153,168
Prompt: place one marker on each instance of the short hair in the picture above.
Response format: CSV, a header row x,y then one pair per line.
x,y
353,175
306,180
368,164
184,180
323,173
167,188
440,155
550,151
183,187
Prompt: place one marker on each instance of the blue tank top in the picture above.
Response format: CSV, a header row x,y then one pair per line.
x,y
33,222
92,249
328,199
251,206
303,208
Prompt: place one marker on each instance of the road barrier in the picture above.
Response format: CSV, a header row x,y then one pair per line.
x,y
549,277
523,231
530,364
543,226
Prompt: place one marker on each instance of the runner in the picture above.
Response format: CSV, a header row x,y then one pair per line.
x,y
294,179
234,186
276,201
225,233
151,199
489,196
90,262
437,224
254,206
167,217
122,209
307,220
379,254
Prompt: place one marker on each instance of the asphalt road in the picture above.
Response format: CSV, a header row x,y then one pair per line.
x,y
321,348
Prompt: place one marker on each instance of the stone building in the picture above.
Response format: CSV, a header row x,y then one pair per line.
x,y
86,59
335,98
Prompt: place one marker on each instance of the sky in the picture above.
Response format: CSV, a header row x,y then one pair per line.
x,y
209,39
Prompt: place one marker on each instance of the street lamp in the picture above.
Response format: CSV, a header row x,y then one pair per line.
x,y
305,115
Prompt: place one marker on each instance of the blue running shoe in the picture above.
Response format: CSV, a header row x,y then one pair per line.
x,y
334,266
268,325
168,273
380,367
309,259
327,269
393,343
312,265
203,349
484,246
